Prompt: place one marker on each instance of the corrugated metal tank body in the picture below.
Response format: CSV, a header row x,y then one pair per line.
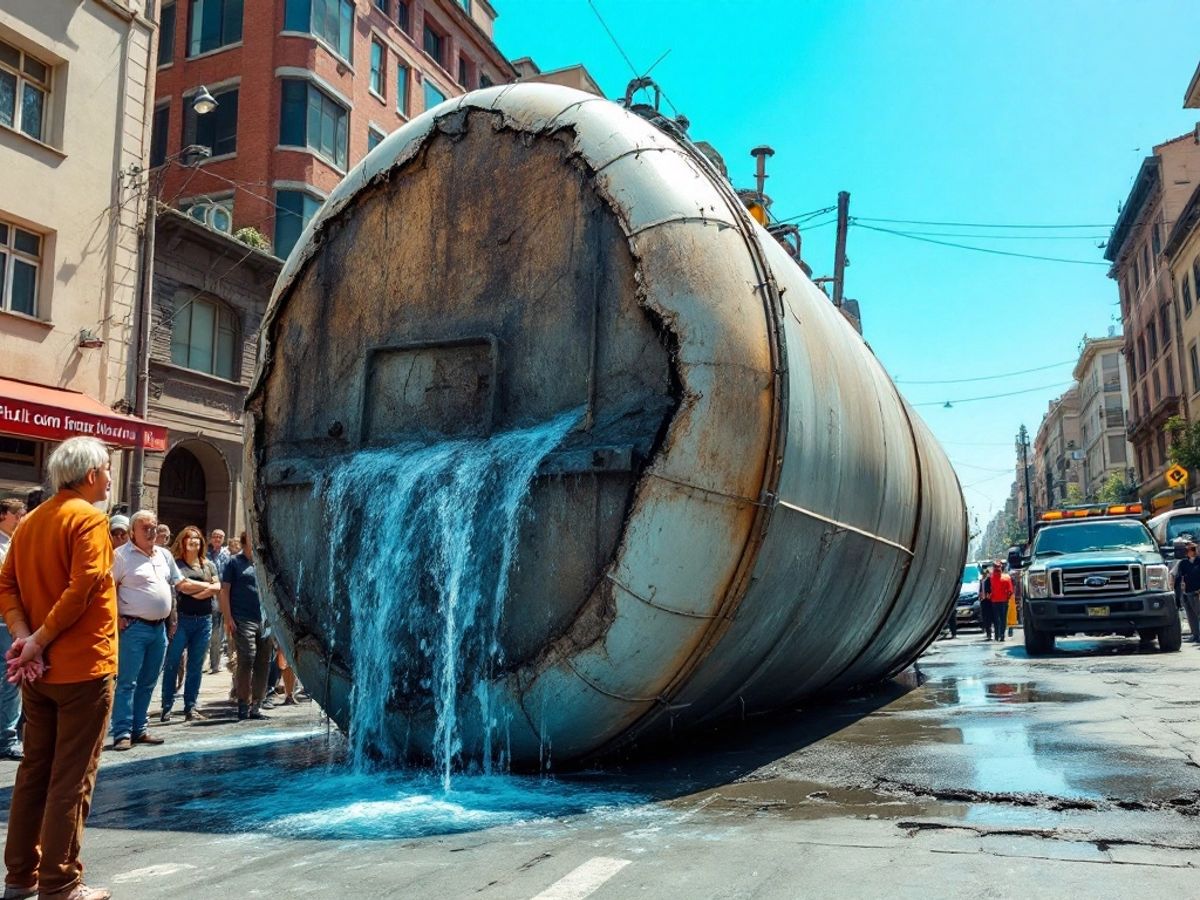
x,y
748,515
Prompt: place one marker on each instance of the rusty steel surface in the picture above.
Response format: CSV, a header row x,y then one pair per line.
x,y
751,513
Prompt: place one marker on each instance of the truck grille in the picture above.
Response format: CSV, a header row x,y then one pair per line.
x,y
1117,580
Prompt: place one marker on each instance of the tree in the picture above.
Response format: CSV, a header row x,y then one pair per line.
x,y
1074,495
1185,442
1116,490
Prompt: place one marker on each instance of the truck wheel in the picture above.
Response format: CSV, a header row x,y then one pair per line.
x,y
1037,642
1170,637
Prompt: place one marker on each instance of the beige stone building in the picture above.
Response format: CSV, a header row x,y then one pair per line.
x,y
75,86
1161,190
1057,458
1103,401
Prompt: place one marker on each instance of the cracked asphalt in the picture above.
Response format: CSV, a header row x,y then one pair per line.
x,y
979,772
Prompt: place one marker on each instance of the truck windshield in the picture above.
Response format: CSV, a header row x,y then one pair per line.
x,y
1184,527
970,573
1112,535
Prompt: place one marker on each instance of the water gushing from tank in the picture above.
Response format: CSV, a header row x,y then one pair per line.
x,y
422,545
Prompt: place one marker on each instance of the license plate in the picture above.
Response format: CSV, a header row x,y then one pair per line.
x,y
1097,610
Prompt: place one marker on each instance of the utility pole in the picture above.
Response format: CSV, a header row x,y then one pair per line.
x,y
1023,443
839,252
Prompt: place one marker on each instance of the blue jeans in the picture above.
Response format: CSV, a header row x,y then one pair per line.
x,y
10,700
139,662
192,635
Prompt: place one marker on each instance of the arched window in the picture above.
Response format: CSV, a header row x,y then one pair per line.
x,y
204,337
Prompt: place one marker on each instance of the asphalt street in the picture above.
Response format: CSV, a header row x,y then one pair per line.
x,y
979,772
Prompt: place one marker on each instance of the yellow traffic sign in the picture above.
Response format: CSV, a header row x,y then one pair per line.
x,y
1177,476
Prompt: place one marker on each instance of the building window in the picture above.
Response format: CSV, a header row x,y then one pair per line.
x,y
1137,274
158,135
374,136
166,34
215,212
293,210
1155,241
24,90
1195,362
382,6
1147,268
1116,449
1156,383
214,24
1164,321
218,129
20,260
464,72
1196,277
485,82
311,118
402,18
377,58
1141,353
203,337
1185,292
330,20
402,89
1152,340
432,95
1162,448
434,44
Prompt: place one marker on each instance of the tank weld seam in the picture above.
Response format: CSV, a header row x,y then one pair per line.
x,y
649,602
680,220
842,526
607,693
704,490
636,151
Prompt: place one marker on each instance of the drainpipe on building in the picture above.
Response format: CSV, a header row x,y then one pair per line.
x,y
141,401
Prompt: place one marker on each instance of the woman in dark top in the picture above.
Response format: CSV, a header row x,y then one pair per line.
x,y
193,609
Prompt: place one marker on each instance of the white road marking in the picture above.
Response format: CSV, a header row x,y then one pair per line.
x,y
584,880
150,872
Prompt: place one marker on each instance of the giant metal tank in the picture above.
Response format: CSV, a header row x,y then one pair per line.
x,y
749,512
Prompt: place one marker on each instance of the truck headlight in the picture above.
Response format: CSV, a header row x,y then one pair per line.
x,y
1039,584
1157,578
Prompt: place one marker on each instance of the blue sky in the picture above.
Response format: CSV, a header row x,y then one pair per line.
x,y
961,112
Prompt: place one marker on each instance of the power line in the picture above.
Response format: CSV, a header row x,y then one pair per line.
x,y
613,38
956,464
987,377
1015,237
1044,387
977,224
808,215
927,240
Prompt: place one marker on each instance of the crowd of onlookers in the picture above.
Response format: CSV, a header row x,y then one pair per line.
x,y
99,612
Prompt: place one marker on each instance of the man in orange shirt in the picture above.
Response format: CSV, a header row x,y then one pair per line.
x,y
58,600
1001,597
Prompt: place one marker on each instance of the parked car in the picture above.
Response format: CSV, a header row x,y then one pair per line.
x,y
967,611
1176,527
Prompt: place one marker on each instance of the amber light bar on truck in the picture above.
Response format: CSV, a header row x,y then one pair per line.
x,y
1086,512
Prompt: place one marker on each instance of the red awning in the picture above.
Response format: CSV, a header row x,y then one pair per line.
x,y
55,414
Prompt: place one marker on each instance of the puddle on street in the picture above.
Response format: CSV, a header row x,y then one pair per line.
x,y
808,800
301,788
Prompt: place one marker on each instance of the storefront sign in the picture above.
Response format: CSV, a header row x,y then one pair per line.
x,y
51,423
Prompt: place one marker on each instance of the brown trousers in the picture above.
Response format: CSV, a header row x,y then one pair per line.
x,y
65,726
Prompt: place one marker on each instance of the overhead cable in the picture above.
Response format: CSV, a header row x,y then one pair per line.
x,y
987,377
978,224
913,237
951,402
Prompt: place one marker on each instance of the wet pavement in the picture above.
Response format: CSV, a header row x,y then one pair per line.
x,y
978,772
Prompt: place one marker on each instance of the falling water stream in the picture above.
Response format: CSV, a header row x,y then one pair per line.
x,y
422,542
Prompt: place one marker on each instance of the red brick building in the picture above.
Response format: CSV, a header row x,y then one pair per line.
x,y
305,88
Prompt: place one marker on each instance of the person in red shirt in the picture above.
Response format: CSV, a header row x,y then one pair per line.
x,y
1001,590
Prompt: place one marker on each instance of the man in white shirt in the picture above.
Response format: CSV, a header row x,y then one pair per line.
x,y
144,575
11,511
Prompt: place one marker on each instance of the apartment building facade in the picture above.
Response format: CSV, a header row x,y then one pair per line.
x,y
76,82
304,90
1149,316
1058,460
1103,401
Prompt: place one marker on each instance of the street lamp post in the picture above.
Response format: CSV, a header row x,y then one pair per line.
x,y
202,103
